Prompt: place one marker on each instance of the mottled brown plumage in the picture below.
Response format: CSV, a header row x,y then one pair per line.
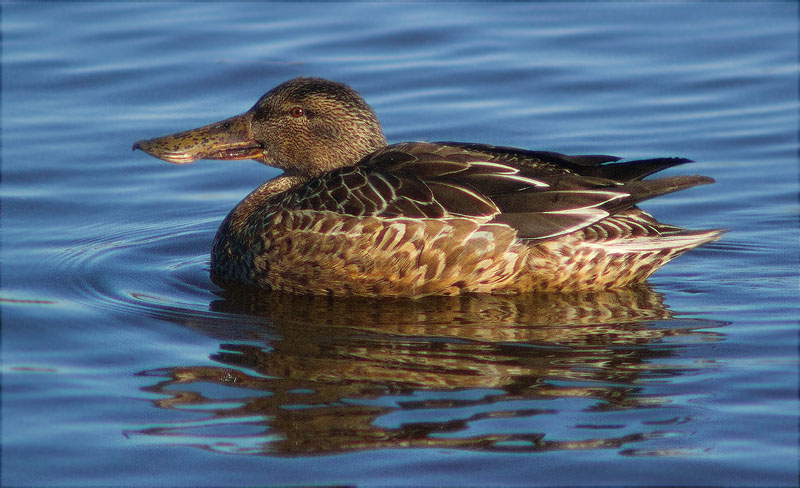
x,y
353,216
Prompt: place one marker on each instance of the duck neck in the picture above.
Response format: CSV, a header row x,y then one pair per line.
x,y
277,185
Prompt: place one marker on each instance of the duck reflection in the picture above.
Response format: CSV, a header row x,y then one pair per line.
x,y
310,375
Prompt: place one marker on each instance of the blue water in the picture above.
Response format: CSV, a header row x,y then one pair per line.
x,y
124,365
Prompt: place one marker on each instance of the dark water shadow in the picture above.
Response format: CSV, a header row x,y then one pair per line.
x,y
309,375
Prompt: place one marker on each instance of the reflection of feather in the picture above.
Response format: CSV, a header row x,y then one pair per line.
x,y
447,362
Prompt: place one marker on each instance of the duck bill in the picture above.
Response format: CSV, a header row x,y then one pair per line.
x,y
227,139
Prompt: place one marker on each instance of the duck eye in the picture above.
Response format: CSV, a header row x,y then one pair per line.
x,y
296,112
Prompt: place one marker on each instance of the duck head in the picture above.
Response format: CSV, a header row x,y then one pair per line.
x,y
305,126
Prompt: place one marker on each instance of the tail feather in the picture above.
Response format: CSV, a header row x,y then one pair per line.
x,y
644,190
679,242
624,170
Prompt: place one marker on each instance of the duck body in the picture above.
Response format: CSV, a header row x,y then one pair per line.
x,y
419,218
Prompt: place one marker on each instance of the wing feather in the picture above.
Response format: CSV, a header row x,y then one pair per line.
x,y
541,195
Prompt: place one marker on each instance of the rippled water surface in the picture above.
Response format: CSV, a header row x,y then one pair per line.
x,y
124,364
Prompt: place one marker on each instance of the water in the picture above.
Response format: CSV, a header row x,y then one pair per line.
x,y
124,364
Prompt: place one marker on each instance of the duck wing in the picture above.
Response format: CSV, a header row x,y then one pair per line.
x,y
542,195
594,165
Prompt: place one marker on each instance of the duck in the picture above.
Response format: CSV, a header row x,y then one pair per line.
x,y
352,215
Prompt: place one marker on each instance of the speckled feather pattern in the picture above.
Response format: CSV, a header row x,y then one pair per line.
x,y
385,228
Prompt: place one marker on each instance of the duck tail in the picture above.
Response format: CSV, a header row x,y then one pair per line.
x,y
641,190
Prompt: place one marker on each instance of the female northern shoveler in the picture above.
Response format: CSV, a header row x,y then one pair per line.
x,y
352,215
